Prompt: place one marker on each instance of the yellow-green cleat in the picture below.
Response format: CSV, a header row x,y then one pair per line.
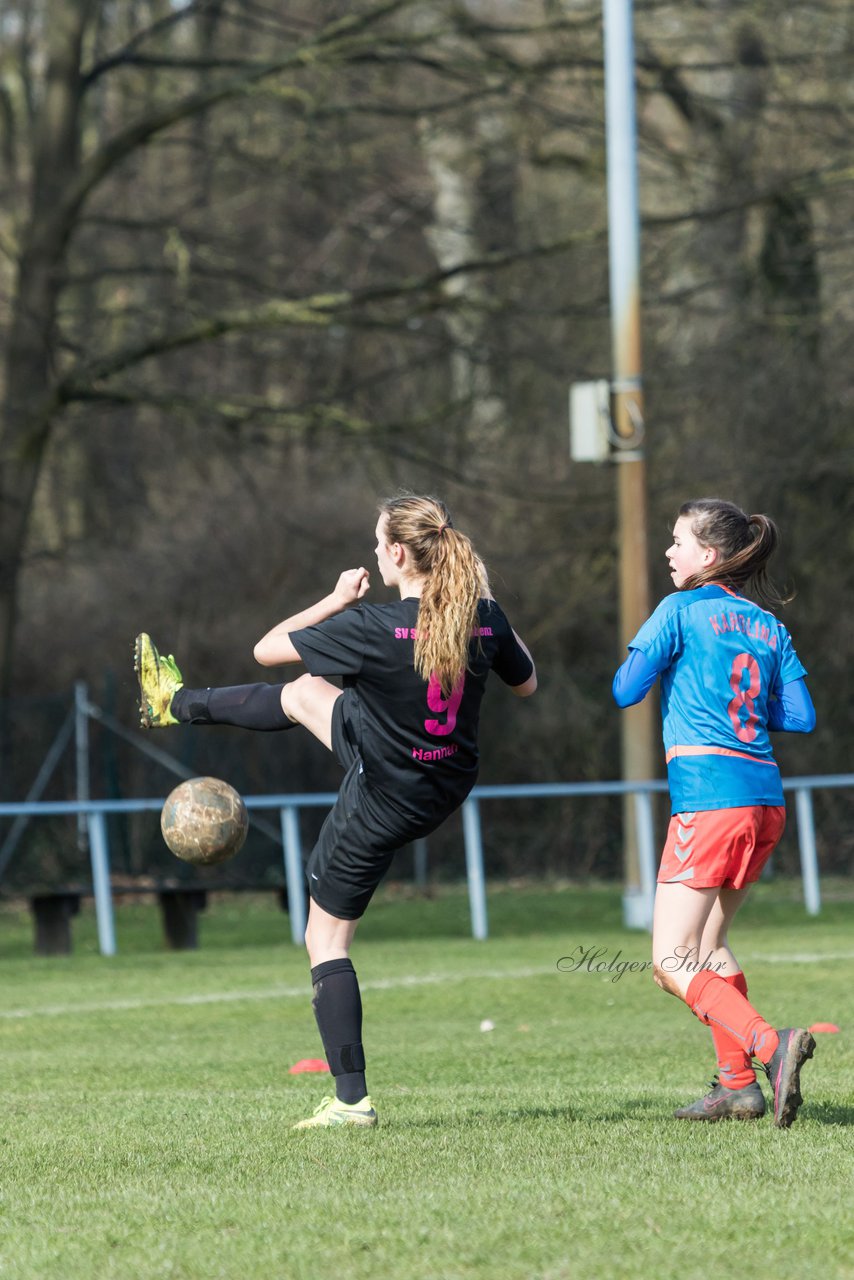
x,y
159,680
331,1113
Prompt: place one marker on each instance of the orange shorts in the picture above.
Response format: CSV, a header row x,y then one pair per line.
x,y
720,848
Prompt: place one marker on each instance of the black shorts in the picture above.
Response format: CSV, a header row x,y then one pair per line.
x,y
361,834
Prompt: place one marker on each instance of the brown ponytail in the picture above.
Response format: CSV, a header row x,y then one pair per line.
x,y
454,581
744,544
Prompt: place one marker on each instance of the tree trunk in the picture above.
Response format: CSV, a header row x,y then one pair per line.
x,y
30,401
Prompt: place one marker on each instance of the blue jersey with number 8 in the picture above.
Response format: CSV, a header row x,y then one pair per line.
x,y
721,659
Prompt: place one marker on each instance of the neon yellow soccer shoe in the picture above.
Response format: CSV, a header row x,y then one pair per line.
x,y
331,1112
159,679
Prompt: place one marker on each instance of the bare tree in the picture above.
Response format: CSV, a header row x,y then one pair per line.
x,y
110,110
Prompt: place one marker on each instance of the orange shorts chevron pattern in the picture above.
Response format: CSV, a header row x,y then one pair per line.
x,y
720,848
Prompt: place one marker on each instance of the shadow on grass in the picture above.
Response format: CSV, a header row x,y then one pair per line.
x,y
828,1113
639,1109
630,1109
463,1120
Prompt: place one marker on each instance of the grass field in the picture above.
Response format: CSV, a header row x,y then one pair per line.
x,y
147,1105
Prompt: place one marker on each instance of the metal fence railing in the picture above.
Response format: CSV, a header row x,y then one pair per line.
x,y
94,813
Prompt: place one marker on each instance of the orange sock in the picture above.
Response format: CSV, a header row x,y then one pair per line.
x,y
719,1003
734,1062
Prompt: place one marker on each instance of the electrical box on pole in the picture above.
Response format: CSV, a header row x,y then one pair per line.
x,y
590,421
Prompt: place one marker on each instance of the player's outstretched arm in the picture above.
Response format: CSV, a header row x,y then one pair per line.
x,y
791,710
633,680
276,646
528,686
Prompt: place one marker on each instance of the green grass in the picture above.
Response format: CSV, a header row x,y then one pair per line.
x,y
146,1103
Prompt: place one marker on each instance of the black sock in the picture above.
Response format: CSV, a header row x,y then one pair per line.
x,y
338,1009
248,706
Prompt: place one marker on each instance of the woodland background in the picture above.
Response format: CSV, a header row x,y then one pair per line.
x,y
262,264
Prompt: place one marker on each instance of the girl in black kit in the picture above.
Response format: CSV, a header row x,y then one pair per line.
x,y
404,727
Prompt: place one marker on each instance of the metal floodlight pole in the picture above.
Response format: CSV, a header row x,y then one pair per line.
x,y
627,411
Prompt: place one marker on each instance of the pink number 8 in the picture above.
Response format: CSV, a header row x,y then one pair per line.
x,y
745,730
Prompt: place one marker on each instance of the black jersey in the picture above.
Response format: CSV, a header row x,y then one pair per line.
x,y
416,745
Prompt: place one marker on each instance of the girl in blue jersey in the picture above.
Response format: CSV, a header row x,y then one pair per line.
x,y
404,727
728,674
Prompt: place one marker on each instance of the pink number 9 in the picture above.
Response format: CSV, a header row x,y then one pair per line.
x,y
448,706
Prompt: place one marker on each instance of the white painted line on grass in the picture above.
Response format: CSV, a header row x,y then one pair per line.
x,y
267,993
377,984
795,957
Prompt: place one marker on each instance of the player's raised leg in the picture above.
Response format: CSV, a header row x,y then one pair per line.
x,y
735,1066
680,919
734,1092
164,700
309,701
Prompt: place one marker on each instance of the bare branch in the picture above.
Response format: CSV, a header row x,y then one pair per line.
x,y
331,42
315,311
139,37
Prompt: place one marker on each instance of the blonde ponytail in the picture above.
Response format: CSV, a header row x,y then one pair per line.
x,y
454,580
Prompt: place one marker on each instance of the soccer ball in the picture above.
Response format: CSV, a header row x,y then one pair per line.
x,y
204,821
